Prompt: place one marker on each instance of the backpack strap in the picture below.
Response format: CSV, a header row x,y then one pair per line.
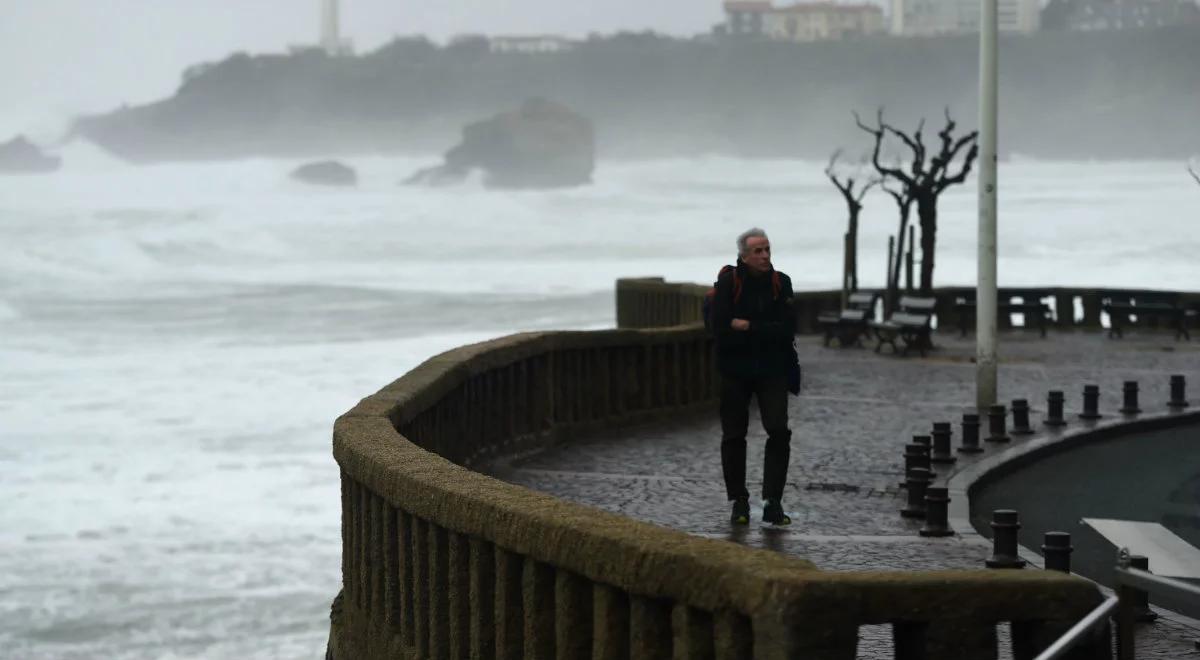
x,y
776,283
737,281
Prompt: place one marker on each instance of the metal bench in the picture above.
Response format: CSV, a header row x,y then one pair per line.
x,y
1121,309
1033,313
912,323
849,324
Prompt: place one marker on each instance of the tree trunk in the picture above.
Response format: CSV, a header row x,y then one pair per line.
x,y
927,213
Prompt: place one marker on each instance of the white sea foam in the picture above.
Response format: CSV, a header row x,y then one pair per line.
x,y
178,338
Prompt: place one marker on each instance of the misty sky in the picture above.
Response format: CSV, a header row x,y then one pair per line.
x,y
61,57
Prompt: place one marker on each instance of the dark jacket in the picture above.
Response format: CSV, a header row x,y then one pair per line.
x,y
765,350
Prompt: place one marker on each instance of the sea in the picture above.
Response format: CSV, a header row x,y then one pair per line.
x,y
176,341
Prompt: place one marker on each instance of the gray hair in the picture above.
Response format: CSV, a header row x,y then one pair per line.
x,y
753,232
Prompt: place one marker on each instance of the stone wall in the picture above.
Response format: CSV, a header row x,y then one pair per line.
x,y
651,302
443,562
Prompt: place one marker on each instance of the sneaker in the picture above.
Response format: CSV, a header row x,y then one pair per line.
x,y
773,513
741,511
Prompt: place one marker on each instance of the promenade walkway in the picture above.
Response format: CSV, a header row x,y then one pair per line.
x,y
855,414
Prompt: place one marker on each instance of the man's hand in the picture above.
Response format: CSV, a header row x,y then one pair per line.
x,y
739,324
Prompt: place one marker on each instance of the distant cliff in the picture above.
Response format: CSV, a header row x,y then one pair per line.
x,y
1069,95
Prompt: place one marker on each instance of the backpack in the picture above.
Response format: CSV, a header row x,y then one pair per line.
x,y
707,304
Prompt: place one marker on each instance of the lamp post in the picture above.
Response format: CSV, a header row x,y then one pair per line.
x,y
985,294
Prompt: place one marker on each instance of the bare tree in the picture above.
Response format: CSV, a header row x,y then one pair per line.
x,y
854,207
904,201
927,177
1193,172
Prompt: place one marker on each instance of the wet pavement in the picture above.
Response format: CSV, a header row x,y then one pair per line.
x,y
849,427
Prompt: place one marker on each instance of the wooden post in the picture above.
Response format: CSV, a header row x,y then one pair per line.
x,y
845,267
889,291
908,264
852,250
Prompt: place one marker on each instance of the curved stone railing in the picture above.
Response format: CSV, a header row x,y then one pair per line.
x,y
651,302
443,562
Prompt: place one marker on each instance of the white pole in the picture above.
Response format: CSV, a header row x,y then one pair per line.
x,y
986,295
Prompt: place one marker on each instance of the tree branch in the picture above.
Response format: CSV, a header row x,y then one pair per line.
x,y
942,162
947,134
1193,172
948,181
833,177
847,188
878,134
901,198
916,149
919,156
870,184
832,161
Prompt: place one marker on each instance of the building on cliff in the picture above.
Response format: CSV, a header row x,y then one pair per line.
x,y
924,18
1091,15
805,21
545,43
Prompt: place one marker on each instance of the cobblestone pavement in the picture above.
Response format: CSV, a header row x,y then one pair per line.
x,y
849,426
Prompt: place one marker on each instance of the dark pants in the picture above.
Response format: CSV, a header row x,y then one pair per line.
x,y
735,419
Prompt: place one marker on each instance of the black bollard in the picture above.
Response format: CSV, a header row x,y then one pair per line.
x,y
1178,393
1054,414
970,434
918,481
1056,548
1130,392
1020,413
911,452
997,422
1091,402
1141,603
941,444
1004,540
937,507
915,456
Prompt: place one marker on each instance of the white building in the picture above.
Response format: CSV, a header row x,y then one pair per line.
x,y
804,21
934,17
531,44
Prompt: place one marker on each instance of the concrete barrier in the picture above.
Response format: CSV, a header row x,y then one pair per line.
x,y
652,302
442,562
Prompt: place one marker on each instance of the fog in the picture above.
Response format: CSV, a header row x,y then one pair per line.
x,y
181,321
63,57
1064,95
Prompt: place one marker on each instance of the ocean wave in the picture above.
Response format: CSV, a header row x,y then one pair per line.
x,y
245,222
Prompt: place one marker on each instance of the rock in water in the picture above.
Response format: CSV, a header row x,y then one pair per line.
x,y
20,156
541,145
326,173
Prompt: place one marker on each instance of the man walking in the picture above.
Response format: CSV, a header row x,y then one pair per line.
x,y
754,324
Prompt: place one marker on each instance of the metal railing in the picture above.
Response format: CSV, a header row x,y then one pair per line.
x,y
1132,587
1092,624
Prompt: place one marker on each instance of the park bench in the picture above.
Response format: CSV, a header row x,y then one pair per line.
x,y
849,324
911,322
1167,307
1033,312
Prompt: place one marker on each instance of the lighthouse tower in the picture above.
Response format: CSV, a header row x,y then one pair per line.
x,y
331,38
